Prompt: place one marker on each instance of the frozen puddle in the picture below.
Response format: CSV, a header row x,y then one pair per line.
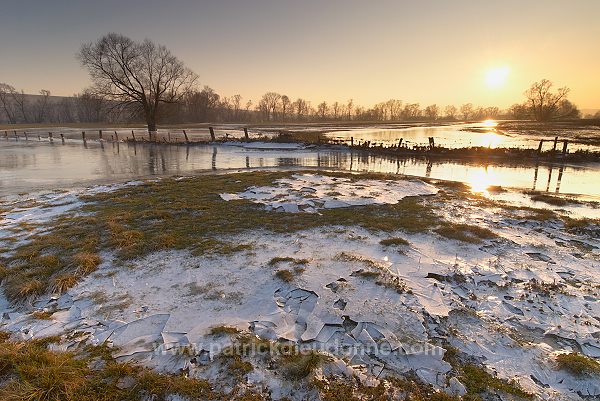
x,y
23,212
309,193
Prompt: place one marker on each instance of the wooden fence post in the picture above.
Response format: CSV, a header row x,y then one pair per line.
x,y
116,136
169,135
186,137
16,136
62,138
133,135
212,133
565,143
540,147
100,134
50,136
555,141
400,142
83,135
351,141
26,137
246,133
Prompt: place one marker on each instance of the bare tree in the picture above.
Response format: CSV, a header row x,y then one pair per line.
x,y
7,99
546,105
349,108
269,103
322,110
40,107
300,107
236,101
450,112
142,74
432,111
466,110
285,106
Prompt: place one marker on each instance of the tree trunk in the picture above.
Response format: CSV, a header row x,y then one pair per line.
x,y
151,122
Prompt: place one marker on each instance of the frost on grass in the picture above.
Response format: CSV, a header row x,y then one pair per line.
x,y
312,192
481,301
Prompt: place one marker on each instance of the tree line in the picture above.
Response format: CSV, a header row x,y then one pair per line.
x,y
142,81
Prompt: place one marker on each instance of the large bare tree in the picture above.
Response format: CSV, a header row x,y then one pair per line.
x,y
545,105
141,74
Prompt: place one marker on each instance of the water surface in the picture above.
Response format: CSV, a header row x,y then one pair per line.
x,y
41,165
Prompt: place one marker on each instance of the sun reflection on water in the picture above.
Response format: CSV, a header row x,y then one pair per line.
x,y
489,123
481,179
491,140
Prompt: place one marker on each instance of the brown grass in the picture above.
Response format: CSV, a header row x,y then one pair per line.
x,y
465,232
87,261
578,364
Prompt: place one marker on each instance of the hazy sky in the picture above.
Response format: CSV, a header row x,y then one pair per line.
x,y
417,51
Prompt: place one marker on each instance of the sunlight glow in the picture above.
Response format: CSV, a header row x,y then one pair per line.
x,y
489,123
491,140
481,180
496,77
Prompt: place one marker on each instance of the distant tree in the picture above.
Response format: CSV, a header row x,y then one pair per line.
x,y
89,107
432,111
450,112
236,101
519,111
7,93
411,111
285,106
394,107
201,105
142,74
546,105
335,110
349,107
322,110
467,111
40,107
269,104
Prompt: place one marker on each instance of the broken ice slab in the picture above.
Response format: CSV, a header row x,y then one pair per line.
x,y
540,257
140,335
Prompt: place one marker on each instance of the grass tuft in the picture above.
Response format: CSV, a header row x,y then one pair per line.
x,y
276,260
87,261
465,232
578,364
394,241
285,275
223,330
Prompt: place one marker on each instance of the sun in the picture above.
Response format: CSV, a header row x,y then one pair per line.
x,y
496,77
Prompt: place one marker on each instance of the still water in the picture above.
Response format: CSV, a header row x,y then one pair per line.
x,y
450,136
34,165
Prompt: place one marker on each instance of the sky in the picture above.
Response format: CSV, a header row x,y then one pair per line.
x,y
444,52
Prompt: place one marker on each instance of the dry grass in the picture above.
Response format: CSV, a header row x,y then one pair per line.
x,y
554,200
41,315
180,214
223,330
578,364
296,365
284,275
394,241
276,260
31,372
63,282
87,261
465,232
